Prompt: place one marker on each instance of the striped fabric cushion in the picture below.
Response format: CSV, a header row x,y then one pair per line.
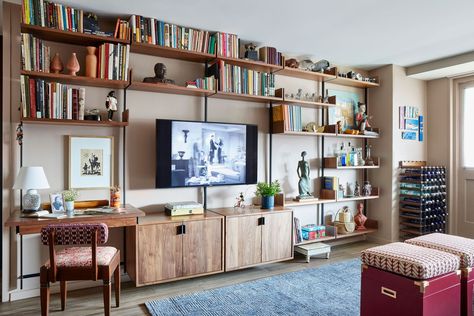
x,y
412,261
459,246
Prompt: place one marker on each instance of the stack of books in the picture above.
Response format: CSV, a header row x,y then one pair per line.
x,y
331,183
290,115
183,208
35,55
153,31
52,15
51,100
227,44
245,81
208,83
113,61
270,55
122,30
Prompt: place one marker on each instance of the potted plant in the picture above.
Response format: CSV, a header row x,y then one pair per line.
x,y
267,191
69,197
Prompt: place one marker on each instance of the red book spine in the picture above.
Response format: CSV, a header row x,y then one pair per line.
x,y
75,104
106,62
32,98
69,19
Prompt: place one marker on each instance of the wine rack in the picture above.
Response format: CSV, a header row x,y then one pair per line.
x,y
423,206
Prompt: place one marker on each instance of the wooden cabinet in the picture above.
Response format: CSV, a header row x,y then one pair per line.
x,y
167,248
254,236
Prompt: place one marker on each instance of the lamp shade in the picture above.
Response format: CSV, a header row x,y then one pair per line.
x,y
31,178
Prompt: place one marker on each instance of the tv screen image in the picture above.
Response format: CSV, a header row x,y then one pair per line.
x,y
205,153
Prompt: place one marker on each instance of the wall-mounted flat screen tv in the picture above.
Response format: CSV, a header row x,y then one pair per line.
x,y
191,154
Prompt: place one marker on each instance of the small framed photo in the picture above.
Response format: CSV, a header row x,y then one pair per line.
x,y
57,202
90,162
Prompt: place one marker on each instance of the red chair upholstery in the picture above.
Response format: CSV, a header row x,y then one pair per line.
x,y
79,263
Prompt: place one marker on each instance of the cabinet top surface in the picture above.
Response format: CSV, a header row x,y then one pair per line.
x,y
161,217
248,210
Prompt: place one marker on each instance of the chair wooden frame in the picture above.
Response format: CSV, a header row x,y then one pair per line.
x,y
50,273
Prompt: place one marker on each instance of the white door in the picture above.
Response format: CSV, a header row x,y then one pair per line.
x,y
465,161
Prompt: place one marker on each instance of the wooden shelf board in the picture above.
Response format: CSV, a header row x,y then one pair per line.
x,y
291,203
356,136
356,233
168,52
359,198
309,104
353,83
250,64
305,134
77,80
305,74
45,121
76,38
321,239
355,167
169,88
245,97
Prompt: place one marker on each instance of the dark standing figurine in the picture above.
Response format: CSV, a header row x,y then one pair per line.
x,y
303,172
220,144
212,149
111,104
160,74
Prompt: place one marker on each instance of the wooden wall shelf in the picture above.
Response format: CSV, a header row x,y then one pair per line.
x,y
305,74
245,97
353,83
359,198
169,88
75,38
292,133
291,203
45,121
331,162
251,64
168,52
77,80
307,104
357,136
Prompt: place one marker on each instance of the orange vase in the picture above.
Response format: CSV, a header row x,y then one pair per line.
x,y
56,64
73,65
91,62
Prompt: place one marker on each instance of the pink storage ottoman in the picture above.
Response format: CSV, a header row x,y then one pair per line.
x,y
464,249
404,280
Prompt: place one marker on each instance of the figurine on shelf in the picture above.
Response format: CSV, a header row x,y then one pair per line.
x,y
368,158
291,63
73,65
360,218
303,172
111,105
357,189
320,66
311,127
160,75
306,64
299,94
339,127
367,189
361,118
56,65
240,200
250,51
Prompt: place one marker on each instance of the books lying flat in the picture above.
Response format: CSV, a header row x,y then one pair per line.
x,y
44,214
183,208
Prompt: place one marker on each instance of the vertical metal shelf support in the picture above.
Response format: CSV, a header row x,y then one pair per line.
x,y
366,142
204,189
323,91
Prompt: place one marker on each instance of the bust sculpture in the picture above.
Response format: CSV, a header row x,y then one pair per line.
x,y
303,173
160,74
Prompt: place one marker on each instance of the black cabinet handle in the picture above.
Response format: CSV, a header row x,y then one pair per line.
x,y
181,229
184,229
261,221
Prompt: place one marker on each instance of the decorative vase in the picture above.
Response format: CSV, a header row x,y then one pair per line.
x,y
73,65
268,202
56,64
91,62
69,208
115,197
360,218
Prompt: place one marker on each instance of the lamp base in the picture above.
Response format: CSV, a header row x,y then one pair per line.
x,y
31,201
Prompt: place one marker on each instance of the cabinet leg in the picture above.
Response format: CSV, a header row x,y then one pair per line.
x,y
327,255
308,258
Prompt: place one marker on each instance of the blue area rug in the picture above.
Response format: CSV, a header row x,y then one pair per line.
x,y
332,289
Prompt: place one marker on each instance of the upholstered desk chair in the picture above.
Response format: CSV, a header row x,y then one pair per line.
x,y
79,263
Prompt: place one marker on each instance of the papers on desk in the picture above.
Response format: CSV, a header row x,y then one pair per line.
x,y
100,211
44,214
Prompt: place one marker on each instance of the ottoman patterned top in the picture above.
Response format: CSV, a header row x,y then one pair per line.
x,y
459,246
412,261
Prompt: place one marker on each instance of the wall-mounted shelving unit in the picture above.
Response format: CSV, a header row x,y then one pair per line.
x,y
77,80
44,121
169,88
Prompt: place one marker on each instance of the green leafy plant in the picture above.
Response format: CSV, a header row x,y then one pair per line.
x,y
268,189
70,195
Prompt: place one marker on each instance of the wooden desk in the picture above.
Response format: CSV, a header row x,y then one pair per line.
x,y
31,225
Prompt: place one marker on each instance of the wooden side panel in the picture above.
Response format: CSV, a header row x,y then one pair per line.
x,y
277,236
243,242
202,247
131,252
160,251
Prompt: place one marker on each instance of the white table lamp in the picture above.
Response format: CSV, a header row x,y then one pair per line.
x,y
31,179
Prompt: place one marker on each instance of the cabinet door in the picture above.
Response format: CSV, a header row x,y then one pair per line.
x,y
160,252
277,236
202,247
243,241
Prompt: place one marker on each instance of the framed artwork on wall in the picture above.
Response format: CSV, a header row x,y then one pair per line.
x,y
90,162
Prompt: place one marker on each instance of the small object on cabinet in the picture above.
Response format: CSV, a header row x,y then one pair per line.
x,y
57,202
56,64
299,94
69,197
344,223
111,105
183,208
360,218
31,179
361,118
368,158
160,75
367,189
313,231
240,201
311,127
250,51
292,63
115,197
340,192
339,127
92,115
91,62
357,189
267,192
191,84
73,65
349,190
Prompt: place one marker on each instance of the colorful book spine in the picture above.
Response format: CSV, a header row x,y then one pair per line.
x,y
113,61
236,79
35,55
51,15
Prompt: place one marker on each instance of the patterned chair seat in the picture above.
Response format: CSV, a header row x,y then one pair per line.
x,y
411,261
459,246
82,256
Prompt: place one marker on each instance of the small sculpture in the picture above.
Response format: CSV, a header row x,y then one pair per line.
x,y
303,172
367,189
299,94
339,127
240,201
291,63
160,74
349,190
360,218
320,66
306,64
73,65
56,64
111,104
357,189
368,158
311,127
250,51
361,118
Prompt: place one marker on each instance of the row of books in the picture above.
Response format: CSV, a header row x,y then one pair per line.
x,y
208,83
35,55
122,30
245,81
153,31
52,100
290,115
227,45
270,55
113,61
52,15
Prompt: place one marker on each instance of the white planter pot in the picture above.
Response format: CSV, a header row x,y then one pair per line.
x,y
69,207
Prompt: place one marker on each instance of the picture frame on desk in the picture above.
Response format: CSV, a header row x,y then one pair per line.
x,y
90,162
57,202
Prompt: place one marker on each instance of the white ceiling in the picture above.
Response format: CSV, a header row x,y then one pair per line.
x,y
364,33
